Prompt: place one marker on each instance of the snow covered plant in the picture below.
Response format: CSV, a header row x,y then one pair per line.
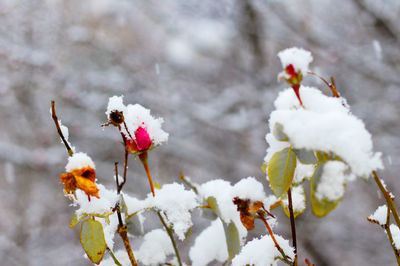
x,y
313,138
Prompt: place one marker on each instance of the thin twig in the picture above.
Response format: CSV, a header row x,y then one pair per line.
x,y
389,233
285,257
292,225
122,230
54,116
116,261
119,188
388,199
182,177
331,85
169,231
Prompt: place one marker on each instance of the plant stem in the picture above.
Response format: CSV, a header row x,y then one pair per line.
x,y
285,257
113,257
389,233
54,116
169,231
143,158
388,199
292,225
122,230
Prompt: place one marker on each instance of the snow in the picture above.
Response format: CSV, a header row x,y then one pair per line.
x,y
79,160
155,248
298,199
298,57
248,188
331,185
377,48
137,116
209,245
224,192
380,215
115,103
303,171
122,257
100,207
394,229
262,252
323,124
176,203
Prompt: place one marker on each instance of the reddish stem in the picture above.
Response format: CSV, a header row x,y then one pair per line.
x,y
143,158
296,89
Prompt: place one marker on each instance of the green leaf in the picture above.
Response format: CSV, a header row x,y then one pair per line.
x,y
306,156
157,185
278,133
92,240
124,208
232,239
134,226
319,207
75,220
212,202
281,170
264,167
188,234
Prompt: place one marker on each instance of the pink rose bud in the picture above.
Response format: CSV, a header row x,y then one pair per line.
x,y
143,140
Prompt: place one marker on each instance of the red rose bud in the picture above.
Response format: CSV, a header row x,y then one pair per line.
x,y
143,140
291,71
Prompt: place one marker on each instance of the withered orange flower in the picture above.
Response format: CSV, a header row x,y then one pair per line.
x,y
80,178
246,209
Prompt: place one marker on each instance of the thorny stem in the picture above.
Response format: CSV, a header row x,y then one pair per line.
x,y
54,116
182,177
122,231
388,199
331,85
390,208
113,257
292,225
169,231
389,233
143,158
284,256
119,188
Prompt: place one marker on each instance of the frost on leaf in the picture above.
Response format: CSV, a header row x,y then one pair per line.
x,y
262,252
155,248
209,245
175,203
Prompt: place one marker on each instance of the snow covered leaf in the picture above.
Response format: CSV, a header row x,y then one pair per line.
x,y
298,201
278,132
232,239
76,219
281,168
212,202
306,156
320,207
92,240
135,226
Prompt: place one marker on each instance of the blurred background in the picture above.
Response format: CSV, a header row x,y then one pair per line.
x,y
209,68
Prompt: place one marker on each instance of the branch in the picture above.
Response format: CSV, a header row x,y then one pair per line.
x,y
122,230
54,116
388,199
285,257
389,233
169,231
292,226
